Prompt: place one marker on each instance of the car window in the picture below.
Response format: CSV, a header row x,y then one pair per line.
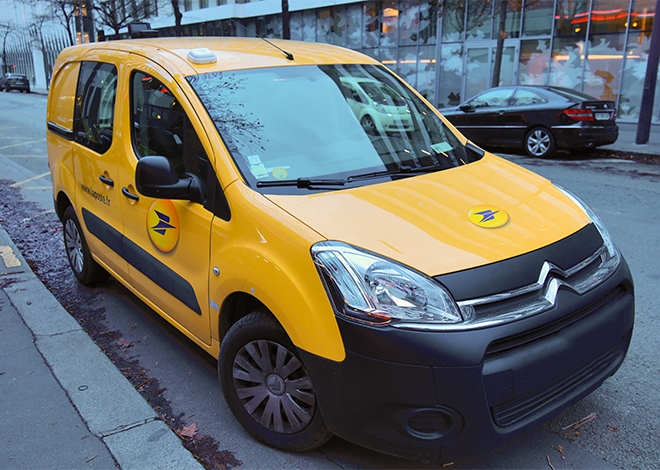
x,y
526,97
492,98
160,126
95,105
285,123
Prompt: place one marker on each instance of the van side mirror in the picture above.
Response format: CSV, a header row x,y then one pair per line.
x,y
155,177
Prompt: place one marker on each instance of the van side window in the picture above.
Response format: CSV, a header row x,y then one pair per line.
x,y
94,111
161,127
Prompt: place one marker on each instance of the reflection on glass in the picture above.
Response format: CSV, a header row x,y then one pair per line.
x,y
479,19
608,16
538,17
451,75
339,26
353,28
510,11
477,78
602,74
409,23
571,18
567,68
324,22
506,71
309,26
533,63
428,22
371,22
426,73
340,121
453,21
390,26
634,74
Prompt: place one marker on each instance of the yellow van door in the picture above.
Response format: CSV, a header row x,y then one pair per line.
x,y
97,149
166,242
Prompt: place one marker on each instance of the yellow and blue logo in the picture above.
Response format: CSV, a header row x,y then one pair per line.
x,y
163,225
488,216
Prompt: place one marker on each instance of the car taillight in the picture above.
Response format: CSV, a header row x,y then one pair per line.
x,y
580,114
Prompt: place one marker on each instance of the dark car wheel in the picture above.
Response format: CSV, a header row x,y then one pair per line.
x,y
369,125
86,270
7,88
267,387
540,143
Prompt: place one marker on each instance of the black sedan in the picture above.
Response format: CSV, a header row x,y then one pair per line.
x,y
538,119
14,81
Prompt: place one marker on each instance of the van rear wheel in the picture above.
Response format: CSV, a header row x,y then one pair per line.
x,y
267,386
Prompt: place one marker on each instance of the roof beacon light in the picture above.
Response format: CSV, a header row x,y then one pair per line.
x,y
202,56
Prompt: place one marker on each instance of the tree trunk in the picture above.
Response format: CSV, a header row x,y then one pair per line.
x,y
286,26
497,65
178,30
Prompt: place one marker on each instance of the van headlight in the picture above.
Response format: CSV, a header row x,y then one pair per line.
x,y
597,221
369,288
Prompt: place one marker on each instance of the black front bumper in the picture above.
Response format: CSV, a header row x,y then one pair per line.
x,y
448,395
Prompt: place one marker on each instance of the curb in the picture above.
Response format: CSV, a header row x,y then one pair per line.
x,y
111,408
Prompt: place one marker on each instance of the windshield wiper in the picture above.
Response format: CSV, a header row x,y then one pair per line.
x,y
403,170
303,183
311,183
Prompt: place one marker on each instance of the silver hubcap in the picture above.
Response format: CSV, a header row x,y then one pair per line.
x,y
368,125
73,245
273,386
538,142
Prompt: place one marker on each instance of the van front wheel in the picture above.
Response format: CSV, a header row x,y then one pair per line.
x,y
267,387
86,270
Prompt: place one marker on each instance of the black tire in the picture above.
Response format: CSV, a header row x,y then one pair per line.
x,y
540,143
86,270
270,395
369,125
7,88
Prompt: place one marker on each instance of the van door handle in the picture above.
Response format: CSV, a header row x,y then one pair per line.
x,y
110,182
129,194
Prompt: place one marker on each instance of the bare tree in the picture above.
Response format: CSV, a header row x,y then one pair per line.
x,y
178,30
6,29
62,11
118,14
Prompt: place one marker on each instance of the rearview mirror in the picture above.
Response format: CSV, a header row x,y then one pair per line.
x,y
155,177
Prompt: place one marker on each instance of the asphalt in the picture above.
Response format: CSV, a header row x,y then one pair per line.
x,y
63,404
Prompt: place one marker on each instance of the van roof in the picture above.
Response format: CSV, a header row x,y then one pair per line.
x,y
231,53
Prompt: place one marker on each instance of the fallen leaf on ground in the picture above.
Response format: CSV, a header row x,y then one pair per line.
x,y
560,449
188,431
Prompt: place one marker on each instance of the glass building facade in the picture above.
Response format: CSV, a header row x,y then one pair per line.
x,y
448,49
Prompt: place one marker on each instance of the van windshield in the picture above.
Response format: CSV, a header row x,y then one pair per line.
x,y
330,125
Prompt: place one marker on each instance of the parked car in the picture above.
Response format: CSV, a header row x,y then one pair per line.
x,y
377,106
538,119
14,81
407,291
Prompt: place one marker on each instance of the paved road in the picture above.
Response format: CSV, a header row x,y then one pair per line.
x,y
624,433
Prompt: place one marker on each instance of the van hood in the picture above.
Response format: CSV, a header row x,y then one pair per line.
x,y
425,221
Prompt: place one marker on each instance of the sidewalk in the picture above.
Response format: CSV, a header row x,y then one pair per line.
x,y
627,137
63,404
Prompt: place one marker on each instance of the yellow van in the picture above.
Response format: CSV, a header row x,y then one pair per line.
x,y
398,287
